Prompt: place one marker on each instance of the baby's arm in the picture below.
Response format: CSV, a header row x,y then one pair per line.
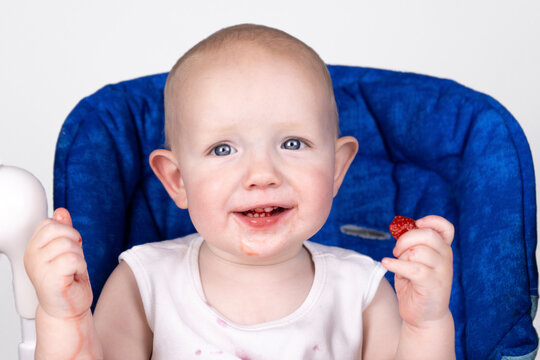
x,y
423,283
55,263
65,327
120,319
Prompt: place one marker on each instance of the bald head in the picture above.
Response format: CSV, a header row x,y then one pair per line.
x,y
240,40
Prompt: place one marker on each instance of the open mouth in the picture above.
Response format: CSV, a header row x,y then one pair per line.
x,y
263,216
263,212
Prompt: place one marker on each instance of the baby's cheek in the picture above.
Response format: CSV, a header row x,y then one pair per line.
x,y
204,201
318,194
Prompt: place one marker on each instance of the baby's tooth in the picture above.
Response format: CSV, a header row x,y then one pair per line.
x,y
268,209
249,214
259,210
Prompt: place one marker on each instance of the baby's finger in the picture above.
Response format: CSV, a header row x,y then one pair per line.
x,y
63,216
58,247
53,230
423,255
68,264
438,224
414,271
417,237
41,225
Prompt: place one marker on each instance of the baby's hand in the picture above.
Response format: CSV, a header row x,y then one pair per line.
x,y
54,261
423,271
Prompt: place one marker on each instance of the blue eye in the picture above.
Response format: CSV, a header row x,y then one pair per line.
x,y
292,144
223,150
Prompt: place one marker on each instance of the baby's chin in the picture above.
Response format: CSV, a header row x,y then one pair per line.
x,y
269,250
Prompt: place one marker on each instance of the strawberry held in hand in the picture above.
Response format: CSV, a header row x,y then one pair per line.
x,y
400,225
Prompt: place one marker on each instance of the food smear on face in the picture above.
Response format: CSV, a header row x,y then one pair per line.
x,y
400,225
246,249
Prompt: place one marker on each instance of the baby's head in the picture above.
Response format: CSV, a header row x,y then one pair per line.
x,y
255,157
245,41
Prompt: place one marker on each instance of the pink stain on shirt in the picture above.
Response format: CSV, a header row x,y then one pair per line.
x,y
222,323
198,352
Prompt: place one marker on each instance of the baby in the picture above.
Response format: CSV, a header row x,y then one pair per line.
x,y
256,158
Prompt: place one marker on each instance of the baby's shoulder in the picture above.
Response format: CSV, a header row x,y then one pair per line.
x,y
334,255
348,275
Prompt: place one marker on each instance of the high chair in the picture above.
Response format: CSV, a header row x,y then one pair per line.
x,y
427,146
23,205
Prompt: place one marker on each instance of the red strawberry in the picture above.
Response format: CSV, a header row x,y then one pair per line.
x,y
400,225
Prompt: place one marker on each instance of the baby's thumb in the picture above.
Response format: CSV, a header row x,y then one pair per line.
x,y
62,216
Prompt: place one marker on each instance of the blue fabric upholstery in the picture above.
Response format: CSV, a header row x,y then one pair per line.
x,y
427,146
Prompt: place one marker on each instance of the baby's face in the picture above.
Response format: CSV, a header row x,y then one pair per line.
x,y
255,150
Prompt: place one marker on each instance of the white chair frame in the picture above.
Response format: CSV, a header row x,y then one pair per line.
x,y
23,205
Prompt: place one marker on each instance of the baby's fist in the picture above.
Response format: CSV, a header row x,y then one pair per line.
x,y
423,270
55,264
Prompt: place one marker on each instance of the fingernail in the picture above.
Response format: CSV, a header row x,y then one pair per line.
x,y
57,214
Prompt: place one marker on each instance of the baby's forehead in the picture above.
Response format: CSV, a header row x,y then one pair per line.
x,y
240,54
251,74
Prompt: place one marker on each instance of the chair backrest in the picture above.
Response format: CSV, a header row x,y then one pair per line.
x,y
427,146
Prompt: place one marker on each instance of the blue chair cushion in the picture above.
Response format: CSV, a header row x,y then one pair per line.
x,y
427,146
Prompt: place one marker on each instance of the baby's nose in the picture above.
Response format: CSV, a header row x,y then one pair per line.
x,y
262,173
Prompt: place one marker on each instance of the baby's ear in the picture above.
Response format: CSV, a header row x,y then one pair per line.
x,y
165,166
346,148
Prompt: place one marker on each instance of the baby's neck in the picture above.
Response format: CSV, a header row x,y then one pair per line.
x,y
251,294
240,272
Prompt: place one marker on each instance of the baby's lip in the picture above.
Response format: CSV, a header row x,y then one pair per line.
x,y
263,216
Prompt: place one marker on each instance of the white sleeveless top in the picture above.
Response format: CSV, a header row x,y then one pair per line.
x,y
328,325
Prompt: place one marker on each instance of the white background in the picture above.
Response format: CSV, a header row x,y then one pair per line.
x,y
53,53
